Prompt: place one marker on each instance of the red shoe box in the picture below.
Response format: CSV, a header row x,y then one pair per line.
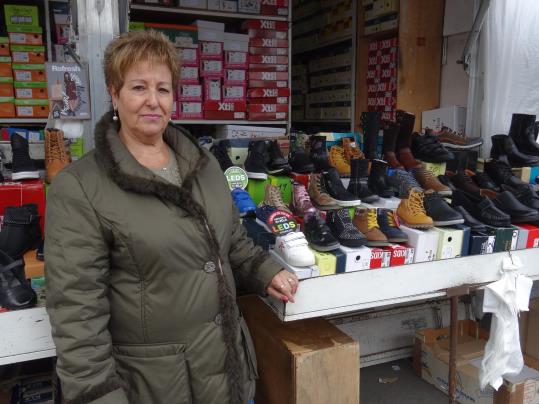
x,y
189,110
234,92
533,235
267,84
301,178
212,89
268,68
400,255
275,3
189,92
267,108
268,51
211,68
266,25
224,115
268,59
188,56
189,74
267,116
380,258
236,60
235,76
266,33
21,193
269,42
276,100
273,10
273,76
233,106
211,50
268,92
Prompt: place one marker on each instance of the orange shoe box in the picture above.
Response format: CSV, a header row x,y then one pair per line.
x,y
28,54
6,87
4,46
5,66
29,72
32,108
26,38
7,107
28,90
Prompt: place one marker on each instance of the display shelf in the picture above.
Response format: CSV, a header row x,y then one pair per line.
x,y
322,45
207,13
353,291
23,120
230,122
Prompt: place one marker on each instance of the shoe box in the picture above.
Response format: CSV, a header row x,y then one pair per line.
x,y
528,236
425,243
481,243
452,117
466,232
328,262
380,258
506,238
301,272
449,242
400,254
284,184
356,259
22,193
256,189
258,234
301,178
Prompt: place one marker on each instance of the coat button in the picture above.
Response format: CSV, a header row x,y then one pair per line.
x,y
209,267
218,319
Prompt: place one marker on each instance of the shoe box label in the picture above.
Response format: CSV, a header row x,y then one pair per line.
x,y
233,106
267,68
235,76
189,92
234,92
281,222
212,89
268,92
276,100
224,115
266,33
211,50
189,74
380,258
267,108
189,110
268,59
211,68
267,84
188,56
267,116
253,50
271,76
269,42
235,59
266,25
273,10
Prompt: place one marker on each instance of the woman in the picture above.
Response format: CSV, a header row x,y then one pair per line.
x,y
71,93
143,247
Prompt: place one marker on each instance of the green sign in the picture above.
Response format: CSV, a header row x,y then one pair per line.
x,y
236,177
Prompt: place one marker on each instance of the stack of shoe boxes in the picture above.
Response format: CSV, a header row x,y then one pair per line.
x,y
380,15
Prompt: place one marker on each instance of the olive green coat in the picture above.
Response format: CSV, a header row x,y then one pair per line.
x,y
141,279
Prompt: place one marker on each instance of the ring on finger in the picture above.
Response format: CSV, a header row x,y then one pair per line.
x,y
282,286
290,280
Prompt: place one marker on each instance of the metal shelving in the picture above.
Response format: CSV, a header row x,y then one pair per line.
x,y
23,120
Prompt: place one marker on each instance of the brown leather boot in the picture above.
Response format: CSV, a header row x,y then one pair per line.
x,y
319,195
391,131
367,223
56,157
406,121
428,180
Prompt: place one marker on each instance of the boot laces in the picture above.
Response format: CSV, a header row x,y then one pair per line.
x,y
372,220
56,148
276,197
338,155
415,202
302,196
391,219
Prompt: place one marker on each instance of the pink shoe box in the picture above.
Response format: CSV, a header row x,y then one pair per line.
x,y
265,25
267,68
234,92
189,74
255,50
188,56
268,116
273,10
380,258
212,89
189,110
233,106
270,76
211,68
235,76
269,42
189,92
268,84
224,115
276,100
268,92
211,50
268,60
236,60
266,33
267,108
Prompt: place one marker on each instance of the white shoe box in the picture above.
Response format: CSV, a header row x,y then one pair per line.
x,y
425,243
449,242
452,117
301,272
357,259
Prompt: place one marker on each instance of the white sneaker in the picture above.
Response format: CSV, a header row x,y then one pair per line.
x,y
293,248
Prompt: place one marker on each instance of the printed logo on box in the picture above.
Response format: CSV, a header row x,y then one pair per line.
x,y
236,177
281,222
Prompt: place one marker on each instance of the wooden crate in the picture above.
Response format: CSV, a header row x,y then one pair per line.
x,y
301,362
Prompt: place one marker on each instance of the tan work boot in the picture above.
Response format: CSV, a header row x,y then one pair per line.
x,y
411,211
337,160
56,157
351,150
319,195
428,180
367,223
273,197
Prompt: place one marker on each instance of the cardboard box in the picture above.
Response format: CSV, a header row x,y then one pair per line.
x,y
6,87
236,42
189,110
26,38
211,68
272,76
249,6
267,68
268,59
506,238
230,6
268,92
211,50
533,235
267,84
266,33
198,4
400,254
234,92
380,258
266,25
268,116
357,259
425,243
21,15
267,108
225,115
182,36
277,100
326,261
435,168
522,238
31,90
452,117
481,243
189,92
188,56
269,42
212,89
21,193
268,51
235,76
272,10
28,54
7,107
236,60
29,72
466,232
234,106
449,242
301,272
189,74
32,108
303,361
5,66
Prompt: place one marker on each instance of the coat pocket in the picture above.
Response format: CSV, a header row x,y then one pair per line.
x,y
154,373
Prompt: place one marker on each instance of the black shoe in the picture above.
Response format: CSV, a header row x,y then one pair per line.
x,y
336,189
359,180
23,167
484,181
378,181
525,195
15,291
523,132
220,151
481,208
300,162
388,226
519,212
501,173
370,122
504,149
461,180
276,164
475,225
428,148
341,226
255,164
20,231
319,153
444,179
318,234
438,209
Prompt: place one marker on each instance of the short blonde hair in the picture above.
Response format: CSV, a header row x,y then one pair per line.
x,y
132,48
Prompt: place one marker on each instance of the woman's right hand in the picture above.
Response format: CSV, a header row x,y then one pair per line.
x,y
283,286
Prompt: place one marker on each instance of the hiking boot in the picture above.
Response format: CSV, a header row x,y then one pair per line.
x,y
276,164
21,231
475,225
481,208
523,132
453,140
300,162
220,151
319,153
428,180
501,173
482,180
318,193
389,226
273,197
370,122
439,210
343,229
367,223
358,185
23,167
336,189
402,182
255,164
351,151
391,132
15,291
378,181
338,160
504,149
301,201
293,248
406,121
243,202
318,234
56,157
525,194
520,213
411,211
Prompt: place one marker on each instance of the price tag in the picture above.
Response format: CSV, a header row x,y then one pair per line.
x,y
236,177
281,222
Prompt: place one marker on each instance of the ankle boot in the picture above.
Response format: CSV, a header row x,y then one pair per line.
x,y
20,230
378,181
370,121
391,131
255,164
15,291
504,149
56,157
23,166
359,180
319,153
522,131
406,121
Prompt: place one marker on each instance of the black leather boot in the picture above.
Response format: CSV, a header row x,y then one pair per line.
x,y
23,167
255,164
15,291
501,174
504,149
391,132
406,120
359,180
378,182
20,231
319,153
522,131
370,122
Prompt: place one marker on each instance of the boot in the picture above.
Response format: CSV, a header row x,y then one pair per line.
x,y
522,131
319,153
319,194
336,189
411,211
299,161
23,166
359,179
504,149
219,150
370,122
56,157
391,131
351,150
378,181
406,121
255,164
338,160
367,223
15,291
501,174
277,164
20,231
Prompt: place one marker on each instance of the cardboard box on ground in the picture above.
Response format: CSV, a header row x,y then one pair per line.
x,y
431,358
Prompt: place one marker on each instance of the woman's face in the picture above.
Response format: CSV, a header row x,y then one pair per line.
x,y
144,103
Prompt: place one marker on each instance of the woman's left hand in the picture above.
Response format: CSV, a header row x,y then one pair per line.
x,y
283,286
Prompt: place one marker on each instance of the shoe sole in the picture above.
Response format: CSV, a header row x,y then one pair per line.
x,y
417,226
24,175
448,222
349,204
358,244
445,193
369,199
325,207
323,248
398,240
461,147
257,176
